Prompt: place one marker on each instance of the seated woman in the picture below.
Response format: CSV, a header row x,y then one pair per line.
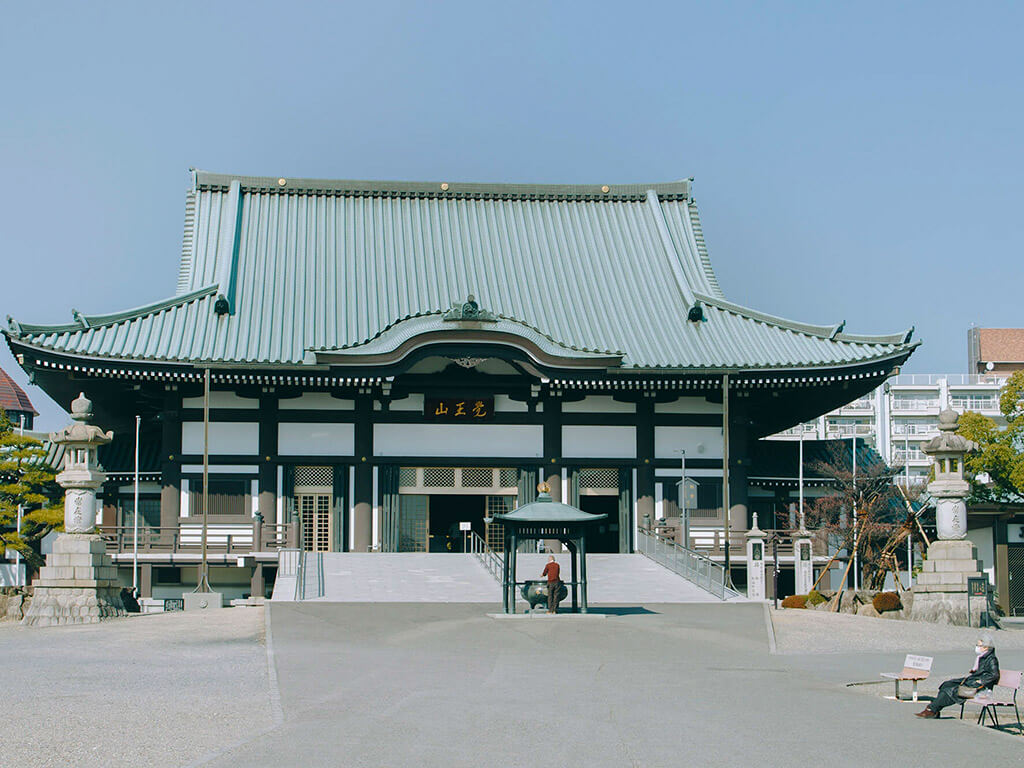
x,y
984,674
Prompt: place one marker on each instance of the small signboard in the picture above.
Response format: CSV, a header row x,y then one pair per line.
x,y
918,662
459,409
689,493
174,604
977,586
465,526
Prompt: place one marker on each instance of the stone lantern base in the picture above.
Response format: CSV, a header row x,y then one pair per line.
x,y
940,594
78,584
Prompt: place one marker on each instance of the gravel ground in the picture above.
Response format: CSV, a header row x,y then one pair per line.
x,y
810,632
157,690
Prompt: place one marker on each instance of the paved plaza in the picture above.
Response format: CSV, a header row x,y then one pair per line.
x,y
394,684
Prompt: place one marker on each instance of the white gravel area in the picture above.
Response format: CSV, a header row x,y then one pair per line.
x,y
799,631
156,690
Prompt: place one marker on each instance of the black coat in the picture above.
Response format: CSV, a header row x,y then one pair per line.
x,y
987,673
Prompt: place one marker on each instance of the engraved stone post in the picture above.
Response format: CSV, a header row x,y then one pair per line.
x,y
78,584
755,561
803,554
940,593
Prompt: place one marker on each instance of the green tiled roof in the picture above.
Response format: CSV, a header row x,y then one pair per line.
x,y
309,265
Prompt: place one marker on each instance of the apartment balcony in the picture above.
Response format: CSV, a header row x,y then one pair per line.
x,y
976,403
809,431
912,457
923,406
920,430
859,406
910,380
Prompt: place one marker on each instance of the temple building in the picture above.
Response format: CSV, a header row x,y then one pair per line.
x,y
387,360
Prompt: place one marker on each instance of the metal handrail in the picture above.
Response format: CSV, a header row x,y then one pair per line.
x,y
310,563
488,558
696,568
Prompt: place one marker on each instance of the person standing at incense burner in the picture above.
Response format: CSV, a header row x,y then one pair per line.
x,y
553,571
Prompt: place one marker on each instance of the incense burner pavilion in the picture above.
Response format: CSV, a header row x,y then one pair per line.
x,y
388,360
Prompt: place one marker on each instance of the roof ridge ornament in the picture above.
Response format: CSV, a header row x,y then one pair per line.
x,y
469,310
14,327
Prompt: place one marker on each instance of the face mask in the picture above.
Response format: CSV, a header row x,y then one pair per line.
x,y
978,650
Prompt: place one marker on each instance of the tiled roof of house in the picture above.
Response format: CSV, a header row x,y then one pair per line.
x,y
13,397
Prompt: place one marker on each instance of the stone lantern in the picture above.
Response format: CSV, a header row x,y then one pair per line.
x,y
940,593
78,584
949,489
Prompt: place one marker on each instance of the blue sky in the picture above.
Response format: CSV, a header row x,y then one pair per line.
x,y
852,161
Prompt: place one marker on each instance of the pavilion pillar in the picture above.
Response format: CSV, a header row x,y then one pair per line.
x,y
170,461
645,462
362,493
552,469
268,490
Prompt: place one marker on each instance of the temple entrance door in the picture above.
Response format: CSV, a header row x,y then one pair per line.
x,y
315,514
413,522
602,537
446,512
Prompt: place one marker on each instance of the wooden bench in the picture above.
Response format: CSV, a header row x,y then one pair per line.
x,y
915,669
1003,695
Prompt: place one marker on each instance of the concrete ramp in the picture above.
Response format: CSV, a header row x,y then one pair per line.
x,y
622,579
403,577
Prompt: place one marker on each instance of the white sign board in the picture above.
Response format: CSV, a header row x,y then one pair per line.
x,y
918,662
465,526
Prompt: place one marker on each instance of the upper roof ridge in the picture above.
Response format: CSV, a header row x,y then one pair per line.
x,y
205,180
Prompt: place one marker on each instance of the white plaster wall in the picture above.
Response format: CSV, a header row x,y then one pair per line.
x,y
410,403
982,539
316,401
698,442
593,442
242,437
315,439
513,440
224,469
507,404
598,404
143,488
221,400
688,405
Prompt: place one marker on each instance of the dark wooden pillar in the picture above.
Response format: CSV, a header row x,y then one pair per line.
x,y
645,461
268,490
146,579
108,514
170,461
739,462
552,469
1002,564
362,494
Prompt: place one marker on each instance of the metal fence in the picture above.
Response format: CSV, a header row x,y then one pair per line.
x,y
692,566
488,558
309,576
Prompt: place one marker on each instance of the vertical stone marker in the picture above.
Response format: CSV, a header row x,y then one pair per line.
x,y
803,562
78,584
755,562
940,593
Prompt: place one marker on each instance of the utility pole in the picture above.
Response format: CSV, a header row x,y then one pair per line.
x,y
725,474
135,526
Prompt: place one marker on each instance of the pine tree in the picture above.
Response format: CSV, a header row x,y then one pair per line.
x,y
26,480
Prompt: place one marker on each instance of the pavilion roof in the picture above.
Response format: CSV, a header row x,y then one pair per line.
x,y
545,510
301,267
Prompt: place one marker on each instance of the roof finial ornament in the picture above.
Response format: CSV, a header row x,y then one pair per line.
x,y
469,310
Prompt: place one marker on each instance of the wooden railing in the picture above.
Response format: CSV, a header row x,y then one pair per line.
x,y
220,538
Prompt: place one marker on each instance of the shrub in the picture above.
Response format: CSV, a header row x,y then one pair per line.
x,y
814,597
886,601
795,601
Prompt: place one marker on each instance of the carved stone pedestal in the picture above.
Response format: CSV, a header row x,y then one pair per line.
x,y
78,584
940,594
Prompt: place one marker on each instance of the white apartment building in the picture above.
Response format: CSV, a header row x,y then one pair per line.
x,y
903,413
